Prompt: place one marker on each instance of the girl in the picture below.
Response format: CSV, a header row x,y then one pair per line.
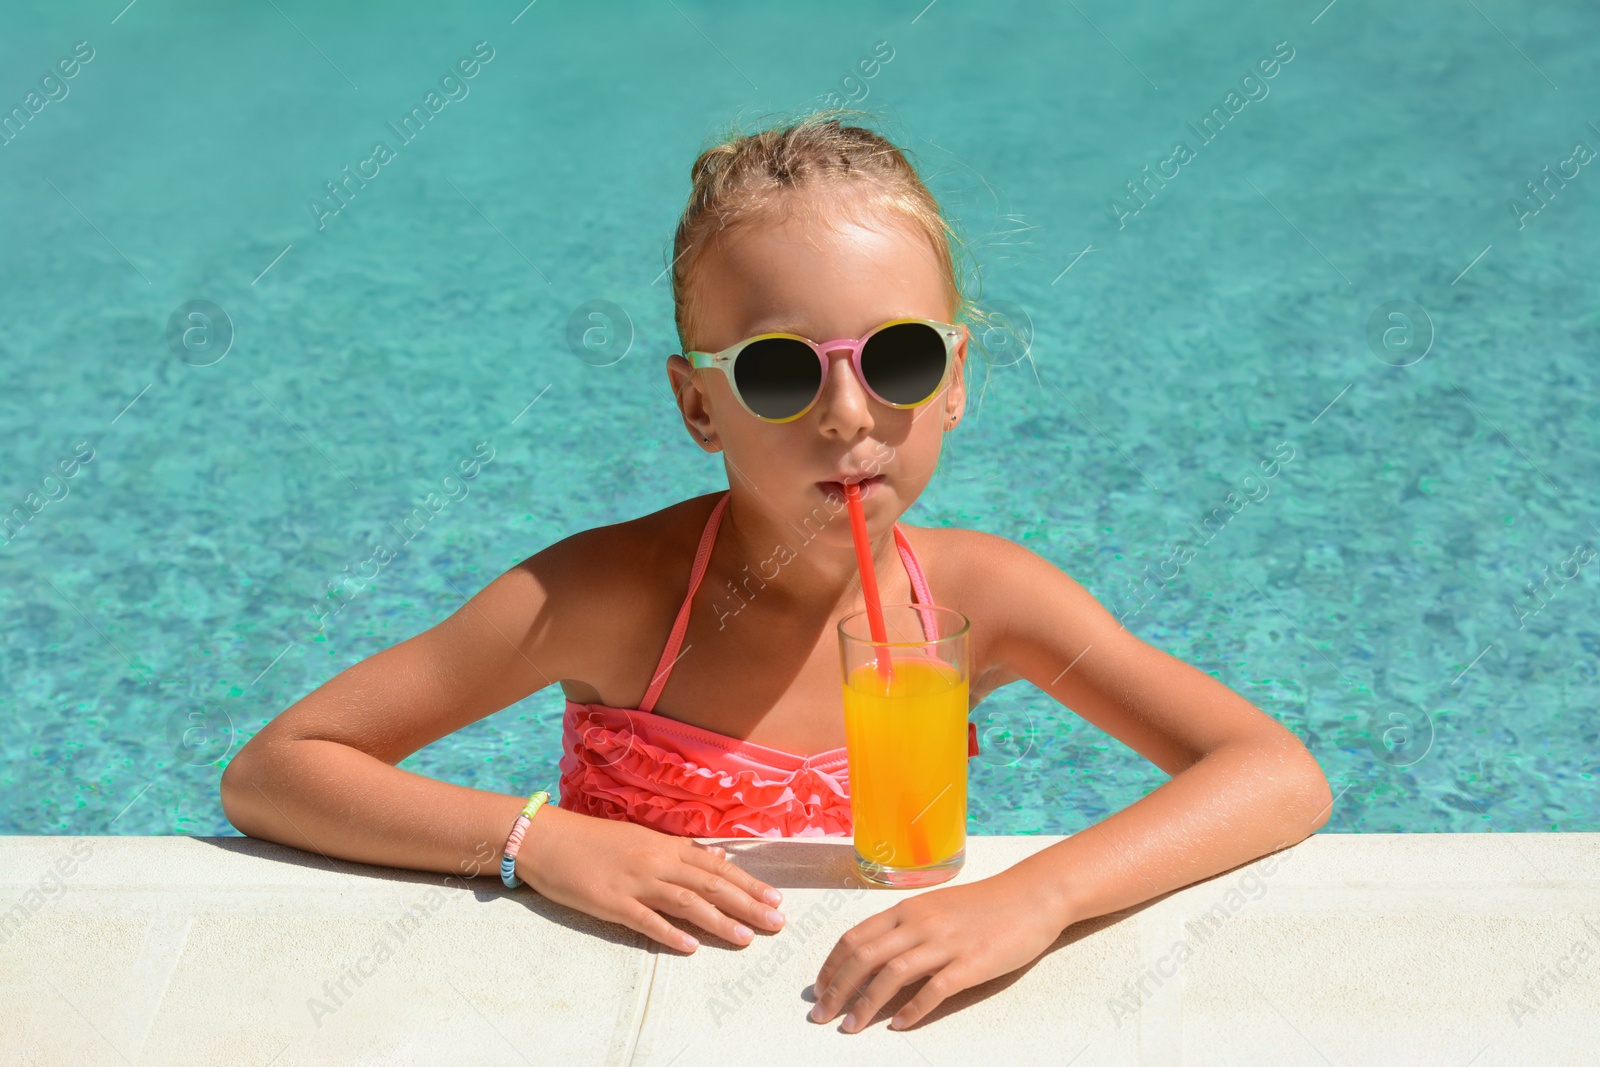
x,y
823,232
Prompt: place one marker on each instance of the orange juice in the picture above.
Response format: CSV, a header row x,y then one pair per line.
x,y
907,747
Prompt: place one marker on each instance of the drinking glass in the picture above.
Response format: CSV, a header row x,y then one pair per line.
x,y
905,716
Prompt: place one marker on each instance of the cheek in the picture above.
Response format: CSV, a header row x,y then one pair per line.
x,y
761,453
914,456
723,402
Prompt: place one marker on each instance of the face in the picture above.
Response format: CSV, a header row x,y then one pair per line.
x,y
821,282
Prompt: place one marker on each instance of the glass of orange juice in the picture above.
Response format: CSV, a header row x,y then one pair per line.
x,y
905,719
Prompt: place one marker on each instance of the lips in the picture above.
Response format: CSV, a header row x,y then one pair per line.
x,y
868,485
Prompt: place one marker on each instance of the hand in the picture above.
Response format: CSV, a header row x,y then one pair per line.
x,y
960,935
626,873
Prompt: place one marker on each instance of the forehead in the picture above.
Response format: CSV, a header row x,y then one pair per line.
x,y
819,278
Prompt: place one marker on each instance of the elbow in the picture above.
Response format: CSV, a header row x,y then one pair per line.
x,y
240,790
235,779
1311,799
1322,797
1295,787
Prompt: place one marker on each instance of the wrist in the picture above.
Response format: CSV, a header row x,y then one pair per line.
x,y
531,856
1054,899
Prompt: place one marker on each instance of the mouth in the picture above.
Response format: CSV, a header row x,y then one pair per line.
x,y
837,488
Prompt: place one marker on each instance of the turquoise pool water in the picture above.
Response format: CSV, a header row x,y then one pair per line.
x,y
159,604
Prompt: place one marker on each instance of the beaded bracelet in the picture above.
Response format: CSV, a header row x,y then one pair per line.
x,y
508,861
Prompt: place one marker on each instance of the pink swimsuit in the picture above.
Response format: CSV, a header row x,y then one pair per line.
x,y
672,776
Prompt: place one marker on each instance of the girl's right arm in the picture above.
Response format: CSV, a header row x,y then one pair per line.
x,y
322,776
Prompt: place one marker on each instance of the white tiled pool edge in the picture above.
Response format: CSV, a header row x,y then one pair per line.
x,y
1346,949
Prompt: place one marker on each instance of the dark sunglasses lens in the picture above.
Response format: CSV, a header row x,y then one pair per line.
x,y
904,364
777,377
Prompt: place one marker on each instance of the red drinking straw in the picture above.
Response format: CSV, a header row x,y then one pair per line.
x,y
880,636
869,580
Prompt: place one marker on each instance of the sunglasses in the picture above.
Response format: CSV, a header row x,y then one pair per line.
x,y
777,377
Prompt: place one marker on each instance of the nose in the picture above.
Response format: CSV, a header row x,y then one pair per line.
x,y
843,405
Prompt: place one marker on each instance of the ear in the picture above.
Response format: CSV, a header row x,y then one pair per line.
x,y
955,397
689,393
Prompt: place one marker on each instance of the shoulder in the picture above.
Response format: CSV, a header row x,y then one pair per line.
x,y
607,588
1012,583
622,559
956,543
955,562
668,534
964,562
1025,611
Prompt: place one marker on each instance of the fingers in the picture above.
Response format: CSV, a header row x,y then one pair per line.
x,y
862,950
713,902
707,889
862,933
687,903
894,975
649,922
738,895
930,996
718,863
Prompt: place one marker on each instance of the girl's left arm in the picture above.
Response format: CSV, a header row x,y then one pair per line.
x,y
1242,786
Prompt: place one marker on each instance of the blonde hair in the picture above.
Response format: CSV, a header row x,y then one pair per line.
x,y
750,176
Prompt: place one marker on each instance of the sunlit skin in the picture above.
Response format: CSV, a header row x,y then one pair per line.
x,y
1242,785
591,611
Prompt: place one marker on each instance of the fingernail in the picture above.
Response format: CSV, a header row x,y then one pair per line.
x,y
689,942
772,896
849,1022
816,1013
740,930
775,917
